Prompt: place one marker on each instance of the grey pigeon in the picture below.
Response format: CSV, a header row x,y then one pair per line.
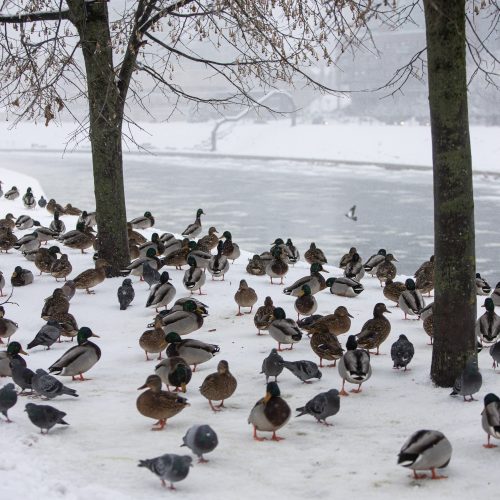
x,y
45,416
151,276
402,352
69,288
47,335
322,406
126,294
469,382
168,467
272,366
200,439
303,369
495,354
8,398
42,202
21,375
47,385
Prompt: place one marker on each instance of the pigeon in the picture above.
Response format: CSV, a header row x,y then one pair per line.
x,y
468,382
351,212
303,369
21,375
200,439
272,366
47,335
42,202
8,398
490,418
47,385
126,294
168,467
325,404
402,352
425,450
45,416
495,354
151,276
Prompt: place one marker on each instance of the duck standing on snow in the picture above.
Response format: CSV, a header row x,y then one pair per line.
x,y
194,229
155,243
315,255
28,243
230,249
136,267
293,253
12,193
21,277
80,238
52,206
337,323
45,258
277,267
469,381
56,303
7,326
161,294
210,240
22,222
153,341
346,258
125,294
218,265
305,304
488,325
10,222
425,450
178,258
194,352
315,281
411,301
375,330
174,372
322,406
326,346
144,222
490,418
393,290
219,386
57,225
387,269
344,287
373,262
245,296
402,352
29,200
482,286
194,278
256,266
354,269
91,277
284,330
69,209
264,315
424,276
78,359
354,366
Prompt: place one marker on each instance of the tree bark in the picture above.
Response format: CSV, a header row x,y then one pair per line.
x,y
454,239
106,115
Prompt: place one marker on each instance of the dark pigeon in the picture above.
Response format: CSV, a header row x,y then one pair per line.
x,y
151,276
45,416
126,294
48,386
303,369
42,202
402,352
21,375
200,439
169,467
8,398
47,335
272,366
469,381
322,406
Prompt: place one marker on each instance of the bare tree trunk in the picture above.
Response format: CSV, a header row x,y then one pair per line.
x,y
106,114
455,293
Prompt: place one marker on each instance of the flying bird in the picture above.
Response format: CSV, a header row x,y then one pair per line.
x,y
351,214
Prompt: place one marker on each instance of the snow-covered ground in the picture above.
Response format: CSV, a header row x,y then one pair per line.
x,y
360,142
96,456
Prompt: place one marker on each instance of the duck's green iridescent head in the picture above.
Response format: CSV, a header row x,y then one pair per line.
x,y
56,215
191,261
276,252
172,337
53,250
189,306
155,237
330,281
278,241
28,190
351,343
289,242
199,212
84,333
151,252
489,304
306,290
316,267
382,251
279,313
147,214
227,235
192,244
410,284
15,348
18,270
272,391
164,277
80,226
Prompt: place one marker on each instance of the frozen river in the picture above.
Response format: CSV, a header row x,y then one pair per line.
x,y
259,201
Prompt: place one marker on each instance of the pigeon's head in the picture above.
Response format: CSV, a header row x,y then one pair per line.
x,y
30,408
127,282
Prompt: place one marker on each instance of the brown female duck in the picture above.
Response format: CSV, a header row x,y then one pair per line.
x,y
219,386
375,330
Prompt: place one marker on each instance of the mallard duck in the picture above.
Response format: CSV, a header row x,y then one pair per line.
x,y
161,294
490,418
354,268
284,330
78,359
28,242
218,265
10,221
179,305
337,323
305,304
264,315
344,287
61,268
354,366
373,262
183,322
172,244
12,193
57,225
174,371
52,206
153,341
136,267
326,346
194,352
293,253
270,413
158,404
92,277
314,281
393,290
144,222
256,266
201,257
315,254
2,284
21,277
245,296
488,325
277,268
1,190
23,222
7,326
411,301
155,243
194,278
134,237
346,258
13,352
7,240
89,219
285,251
68,324
375,330
424,277
230,249
210,240
56,303
29,200
133,251
495,296
178,258
425,450
44,234
219,386
42,202
194,229
387,269
79,239
45,258
69,209
482,286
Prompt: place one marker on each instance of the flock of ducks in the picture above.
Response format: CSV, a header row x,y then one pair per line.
x,y
175,319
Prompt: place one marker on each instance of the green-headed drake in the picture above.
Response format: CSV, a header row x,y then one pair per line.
x,y
305,304
194,229
314,281
194,352
144,222
284,330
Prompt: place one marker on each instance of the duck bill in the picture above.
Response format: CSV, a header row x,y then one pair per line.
x,y
183,387
142,387
267,397
387,311
22,351
325,271
350,315
94,335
